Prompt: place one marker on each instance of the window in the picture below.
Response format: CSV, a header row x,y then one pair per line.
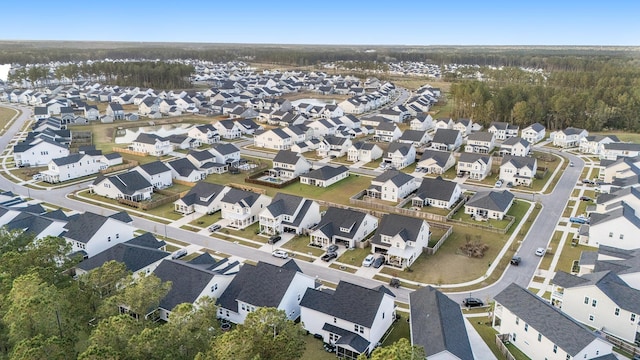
x,y
517,321
568,357
610,234
513,337
358,328
586,300
242,306
591,317
617,311
333,337
539,337
117,236
555,349
594,302
383,315
526,327
621,236
335,321
633,317
109,238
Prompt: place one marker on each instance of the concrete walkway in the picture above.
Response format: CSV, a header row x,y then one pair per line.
x,y
478,346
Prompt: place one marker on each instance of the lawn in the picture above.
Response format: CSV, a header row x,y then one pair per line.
x,y
314,349
354,256
623,136
517,210
569,208
582,206
552,246
399,330
373,164
301,244
251,232
207,219
569,254
6,114
487,333
166,211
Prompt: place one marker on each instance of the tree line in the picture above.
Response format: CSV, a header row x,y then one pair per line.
x,y
47,314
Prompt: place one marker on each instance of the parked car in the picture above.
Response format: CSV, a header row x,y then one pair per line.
x,y
368,261
332,248
274,239
571,163
179,253
379,261
214,228
540,251
588,181
472,302
37,176
585,198
280,254
394,282
498,184
579,220
329,256
516,260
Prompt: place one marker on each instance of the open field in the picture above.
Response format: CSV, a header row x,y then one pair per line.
x,y
6,114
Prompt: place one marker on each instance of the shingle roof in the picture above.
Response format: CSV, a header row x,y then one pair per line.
x,y
187,282
349,302
624,211
609,283
520,161
245,198
326,172
394,224
413,135
127,183
134,257
446,136
515,140
225,148
559,328
71,159
336,218
473,157
437,324
203,193
84,226
286,157
403,148
437,188
491,200
154,168
481,136
349,338
397,177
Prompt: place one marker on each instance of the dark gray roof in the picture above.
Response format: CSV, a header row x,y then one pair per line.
x,y
183,166
361,145
572,131
29,223
491,200
326,172
588,257
403,148
440,157
134,257
128,183
446,136
147,240
537,127
112,156
437,188
349,338
56,215
122,216
146,138
413,135
394,224
336,218
286,157
203,193
520,161
245,198
71,159
82,227
349,302
225,148
437,324
515,140
624,211
473,157
187,282
261,285
386,126
622,146
280,133
481,136
556,326
609,283
201,155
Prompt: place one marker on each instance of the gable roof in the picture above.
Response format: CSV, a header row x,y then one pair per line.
x,y
537,127
558,327
473,157
154,168
187,282
491,200
440,157
127,183
514,141
336,218
286,157
446,136
326,172
519,161
134,257
82,227
403,148
436,188
183,166
203,193
225,148
481,136
609,283
413,135
393,224
340,303
242,197
397,177
437,324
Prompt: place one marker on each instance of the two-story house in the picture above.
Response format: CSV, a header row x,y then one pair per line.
x,y
228,129
129,186
477,166
503,130
435,161
157,174
392,185
399,155
225,153
388,132
401,239
464,126
422,122
151,144
617,228
183,170
518,170
289,213
38,152
569,137
276,139
93,233
364,152
206,133
416,138
515,146
533,133
343,227
333,146
242,208
481,142
72,167
203,198
446,140
288,165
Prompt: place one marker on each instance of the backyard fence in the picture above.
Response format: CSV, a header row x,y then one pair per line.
x,y
184,182
254,179
130,164
501,342
128,151
443,238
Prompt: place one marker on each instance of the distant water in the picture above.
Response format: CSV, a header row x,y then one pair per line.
x,y
314,102
126,136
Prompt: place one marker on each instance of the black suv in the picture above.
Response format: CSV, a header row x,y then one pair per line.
x,y
329,256
472,302
516,260
274,239
394,282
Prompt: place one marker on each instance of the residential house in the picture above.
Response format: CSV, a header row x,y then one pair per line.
x,y
333,146
569,137
332,315
476,166
612,151
600,300
436,324
388,132
399,155
620,168
225,153
72,167
92,234
446,140
206,161
264,285
594,144
464,126
276,139
289,213
183,170
149,105
325,176
364,152
392,185
489,204
202,198
16,215
183,142
157,174
533,133
228,129
617,227
518,170
246,125
416,138
40,113
322,127
436,162
401,239
438,193
480,143
242,208
129,186
515,146
289,165
151,144
111,159
623,262
343,227
503,130
38,152
443,123
115,110
615,199
422,122
207,134
541,331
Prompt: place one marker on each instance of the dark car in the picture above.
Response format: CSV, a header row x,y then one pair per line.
x,y
394,282
214,228
274,239
329,256
378,262
585,198
472,302
332,248
516,260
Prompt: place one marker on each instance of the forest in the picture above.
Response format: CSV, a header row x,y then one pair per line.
x,y
46,313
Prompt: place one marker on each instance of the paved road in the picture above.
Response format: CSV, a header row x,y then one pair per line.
x,y
542,228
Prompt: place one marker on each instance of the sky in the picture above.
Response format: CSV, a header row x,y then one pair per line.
x,y
373,22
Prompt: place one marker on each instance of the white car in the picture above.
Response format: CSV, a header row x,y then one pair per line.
x,y
540,251
368,260
498,184
280,254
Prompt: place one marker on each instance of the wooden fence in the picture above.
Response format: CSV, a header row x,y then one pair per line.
x,y
184,182
501,341
130,164
247,188
128,151
434,249
486,227
253,179
631,349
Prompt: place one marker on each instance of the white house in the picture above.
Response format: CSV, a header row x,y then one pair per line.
x,y
276,139
353,318
600,300
443,123
183,170
151,144
207,162
343,227
503,130
446,140
72,167
481,142
247,291
203,198
477,166
533,133
92,233
157,174
364,152
438,193
541,331
464,126
129,186
388,132
436,162
614,150
228,129
392,185
416,138
38,152
400,155
489,204
207,133
617,228
289,213
515,146
288,165
225,153
333,146
519,170
242,208
401,239
569,137
422,122
325,176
